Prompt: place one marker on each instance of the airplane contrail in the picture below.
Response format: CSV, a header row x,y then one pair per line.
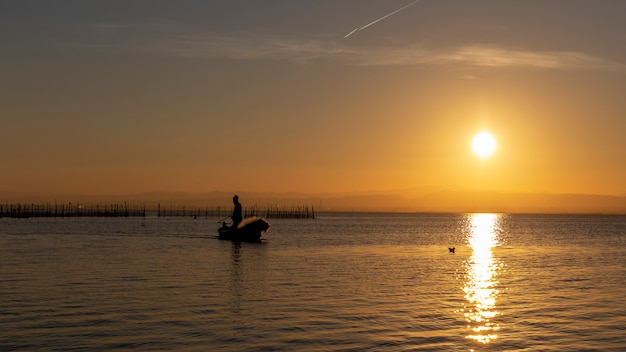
x,y
382,18
349,34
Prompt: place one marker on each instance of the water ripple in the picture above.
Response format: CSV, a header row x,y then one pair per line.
x,y
333,284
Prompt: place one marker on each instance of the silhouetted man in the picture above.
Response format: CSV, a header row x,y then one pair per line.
x,y
236,212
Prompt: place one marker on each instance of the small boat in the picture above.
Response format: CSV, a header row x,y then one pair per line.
x,y
249,230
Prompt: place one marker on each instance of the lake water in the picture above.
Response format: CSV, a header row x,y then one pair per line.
x,y
341,282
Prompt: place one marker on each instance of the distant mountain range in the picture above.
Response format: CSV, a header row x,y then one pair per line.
x,y
387,201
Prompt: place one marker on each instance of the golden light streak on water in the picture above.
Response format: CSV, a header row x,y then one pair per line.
x,y
481,278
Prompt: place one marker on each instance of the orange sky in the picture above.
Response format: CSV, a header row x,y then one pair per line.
x,y
109,98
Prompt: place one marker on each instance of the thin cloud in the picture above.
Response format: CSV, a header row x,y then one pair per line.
x,y
308,49
321,49
252,47
499,57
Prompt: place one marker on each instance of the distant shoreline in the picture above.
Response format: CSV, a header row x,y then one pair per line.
x,y
445,202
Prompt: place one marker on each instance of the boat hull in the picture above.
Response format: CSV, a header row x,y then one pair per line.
x,y
250,230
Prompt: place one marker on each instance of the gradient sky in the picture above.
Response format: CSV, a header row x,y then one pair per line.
x,y
101,97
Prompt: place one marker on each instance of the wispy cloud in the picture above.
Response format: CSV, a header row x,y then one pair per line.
x,y
501,57
250,47
307,49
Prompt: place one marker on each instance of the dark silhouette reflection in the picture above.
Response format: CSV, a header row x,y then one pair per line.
x,y
482,268
236,277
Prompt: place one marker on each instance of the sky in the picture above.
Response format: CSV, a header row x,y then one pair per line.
x,y
118,97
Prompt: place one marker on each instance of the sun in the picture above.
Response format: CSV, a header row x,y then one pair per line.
x,y
484,144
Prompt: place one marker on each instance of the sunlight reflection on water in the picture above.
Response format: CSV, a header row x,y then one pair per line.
x,y
481,278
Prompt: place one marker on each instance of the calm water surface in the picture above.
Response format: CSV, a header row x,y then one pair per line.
x,y
341,282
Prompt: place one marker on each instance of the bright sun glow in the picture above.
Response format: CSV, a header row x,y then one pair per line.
x,y
484,144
